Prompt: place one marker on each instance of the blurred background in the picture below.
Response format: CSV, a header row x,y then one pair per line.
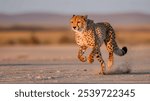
x,y
46,22
36,34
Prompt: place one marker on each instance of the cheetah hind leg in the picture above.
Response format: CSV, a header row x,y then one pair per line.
x,y
110,58
110,61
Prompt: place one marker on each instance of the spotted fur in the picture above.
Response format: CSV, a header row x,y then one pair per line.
x,y
92,35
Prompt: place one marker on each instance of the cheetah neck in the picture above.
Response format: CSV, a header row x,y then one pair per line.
x,y
89,23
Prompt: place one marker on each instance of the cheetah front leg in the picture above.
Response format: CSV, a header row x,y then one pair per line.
x,y
91,56
100,59
81,51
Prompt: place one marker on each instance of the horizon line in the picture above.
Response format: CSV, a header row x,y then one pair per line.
x,y
21,13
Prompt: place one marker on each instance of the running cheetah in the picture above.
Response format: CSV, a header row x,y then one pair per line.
x,y
92,35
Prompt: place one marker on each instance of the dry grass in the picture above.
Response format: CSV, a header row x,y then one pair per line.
x,y
37,37
26,37
133,38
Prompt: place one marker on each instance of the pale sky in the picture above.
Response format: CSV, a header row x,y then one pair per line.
x,y
74,6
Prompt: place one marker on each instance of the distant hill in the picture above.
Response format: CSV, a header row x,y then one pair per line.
x,y
60,20
33,19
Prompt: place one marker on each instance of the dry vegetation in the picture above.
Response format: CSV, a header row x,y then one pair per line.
x,y
133,38
26,37
66,36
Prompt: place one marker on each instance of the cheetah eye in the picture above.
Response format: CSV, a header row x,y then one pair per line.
x,y
79,22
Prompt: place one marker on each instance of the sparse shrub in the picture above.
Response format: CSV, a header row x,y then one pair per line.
x,y
23,41
66,40
46,42
34,39
11,42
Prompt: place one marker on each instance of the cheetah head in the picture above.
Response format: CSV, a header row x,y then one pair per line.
x,y
78,23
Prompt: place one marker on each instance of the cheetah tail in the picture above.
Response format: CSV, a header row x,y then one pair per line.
x,y
120,52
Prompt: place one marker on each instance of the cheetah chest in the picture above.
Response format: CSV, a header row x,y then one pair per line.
x,y
84,39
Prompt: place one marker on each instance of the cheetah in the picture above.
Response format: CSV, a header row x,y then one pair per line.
x,y
92,35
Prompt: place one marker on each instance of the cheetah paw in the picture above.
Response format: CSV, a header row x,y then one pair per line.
x,y
83,59
90,60
101,73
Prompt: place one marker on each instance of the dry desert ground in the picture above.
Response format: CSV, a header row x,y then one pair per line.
x,y
59,64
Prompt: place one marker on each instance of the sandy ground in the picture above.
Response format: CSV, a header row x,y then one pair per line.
x,y
59,64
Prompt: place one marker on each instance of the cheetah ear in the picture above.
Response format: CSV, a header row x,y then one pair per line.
x,y
85,17
73,15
